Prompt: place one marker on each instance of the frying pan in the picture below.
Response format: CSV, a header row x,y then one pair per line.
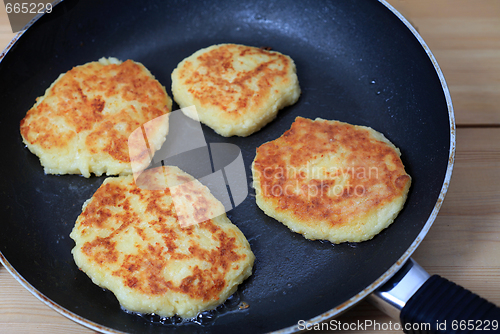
x,y
358,61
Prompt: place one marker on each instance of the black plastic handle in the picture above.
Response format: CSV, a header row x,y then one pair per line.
x,y
441,306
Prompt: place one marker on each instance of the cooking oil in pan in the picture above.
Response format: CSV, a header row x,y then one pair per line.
x,y
231,305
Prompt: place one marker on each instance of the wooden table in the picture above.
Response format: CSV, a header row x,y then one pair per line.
x,y
464,242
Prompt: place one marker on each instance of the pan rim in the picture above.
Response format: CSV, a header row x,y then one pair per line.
x,y
338,310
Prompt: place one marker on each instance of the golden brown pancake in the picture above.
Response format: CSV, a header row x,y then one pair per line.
x,y
331,180
82,123
134,242
236,89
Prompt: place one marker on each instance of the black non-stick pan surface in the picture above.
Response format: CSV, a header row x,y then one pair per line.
x,y
356,61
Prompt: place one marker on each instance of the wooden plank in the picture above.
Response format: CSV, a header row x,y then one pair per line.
x,y
448,8
464,36
464,242
6,34
21,312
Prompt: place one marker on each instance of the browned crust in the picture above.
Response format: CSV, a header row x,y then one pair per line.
x,y
143,271
373,166
209,83
82,113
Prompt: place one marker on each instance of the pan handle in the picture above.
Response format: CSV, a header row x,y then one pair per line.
x,y
432,304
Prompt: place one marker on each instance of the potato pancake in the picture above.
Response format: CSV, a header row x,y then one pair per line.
x,y
134,242
331,180
236,89
82,123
